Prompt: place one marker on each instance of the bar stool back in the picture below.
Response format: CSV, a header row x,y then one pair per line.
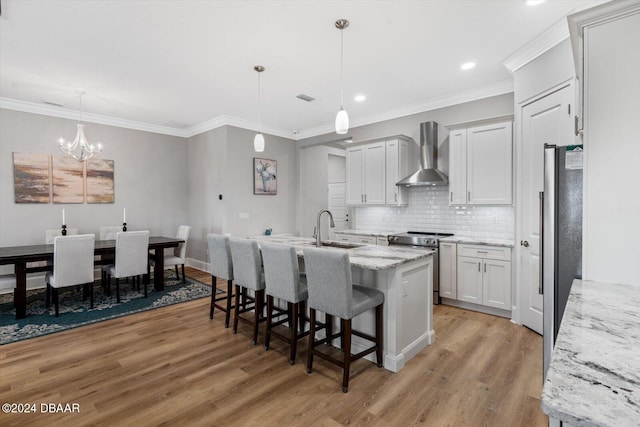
x,y
247,271
283,281
221,268
332,291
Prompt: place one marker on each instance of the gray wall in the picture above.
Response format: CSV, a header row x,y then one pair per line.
x,y
221,162
150,179
553,67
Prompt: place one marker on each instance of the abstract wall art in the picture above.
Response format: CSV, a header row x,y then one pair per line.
x,y
100,181
31,177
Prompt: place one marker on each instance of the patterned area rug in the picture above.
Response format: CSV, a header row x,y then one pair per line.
x,y
75,312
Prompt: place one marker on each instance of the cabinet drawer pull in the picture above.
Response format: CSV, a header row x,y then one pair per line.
x,y
451,197
482,252
478,266
485,268
468,196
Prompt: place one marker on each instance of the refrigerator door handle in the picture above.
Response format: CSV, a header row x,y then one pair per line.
x,y
541,249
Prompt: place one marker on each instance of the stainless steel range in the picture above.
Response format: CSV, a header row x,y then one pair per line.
x,y
420,239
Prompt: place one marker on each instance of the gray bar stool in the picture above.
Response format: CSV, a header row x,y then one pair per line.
x,y
221,268
283,281
332,291
247,271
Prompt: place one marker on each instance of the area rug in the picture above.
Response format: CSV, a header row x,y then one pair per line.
x,y
75,311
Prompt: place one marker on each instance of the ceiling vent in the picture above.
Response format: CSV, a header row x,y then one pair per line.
x,y
52,103
305,97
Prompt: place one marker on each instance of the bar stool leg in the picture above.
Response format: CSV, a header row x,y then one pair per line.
x,y
229,296
303,315
267,336
346,332
259,307
312,338
293,320
379,336
214,281
236,312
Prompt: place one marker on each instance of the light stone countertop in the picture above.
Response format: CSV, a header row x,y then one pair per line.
x,y
594,374
474,241
369,257
366,232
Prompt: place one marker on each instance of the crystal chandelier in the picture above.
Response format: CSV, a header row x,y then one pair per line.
x,y
79,148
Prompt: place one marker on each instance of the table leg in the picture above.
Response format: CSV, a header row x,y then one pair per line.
x,y
158,272
21,289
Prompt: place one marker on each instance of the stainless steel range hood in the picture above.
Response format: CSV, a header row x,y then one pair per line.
x,y
428,174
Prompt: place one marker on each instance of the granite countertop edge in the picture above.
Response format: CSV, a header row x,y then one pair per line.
x,y
594,375
479,241
369,257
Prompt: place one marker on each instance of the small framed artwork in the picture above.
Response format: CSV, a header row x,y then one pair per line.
x,y
265,177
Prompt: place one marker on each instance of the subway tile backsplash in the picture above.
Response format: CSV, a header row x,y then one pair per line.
x,y
429,210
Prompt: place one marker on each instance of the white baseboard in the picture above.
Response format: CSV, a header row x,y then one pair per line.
x,y
196,263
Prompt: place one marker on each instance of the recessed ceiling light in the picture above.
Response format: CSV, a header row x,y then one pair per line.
x,y
360,98
467,65
534,2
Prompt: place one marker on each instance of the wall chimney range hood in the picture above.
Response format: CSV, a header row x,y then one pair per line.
x,y
428,173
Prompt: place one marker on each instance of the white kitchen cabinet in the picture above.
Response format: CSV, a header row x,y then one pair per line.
x,y
364,240
484,275
365,174
447,271
397,168
481,165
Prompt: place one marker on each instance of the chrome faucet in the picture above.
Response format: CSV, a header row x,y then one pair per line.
x,y
317,230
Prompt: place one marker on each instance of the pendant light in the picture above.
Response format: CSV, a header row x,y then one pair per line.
x,y
79,148
342,118
258,140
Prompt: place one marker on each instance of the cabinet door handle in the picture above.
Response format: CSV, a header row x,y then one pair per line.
x,y
478,266
365,197
451,198
485,268
362,198
468,196
395,197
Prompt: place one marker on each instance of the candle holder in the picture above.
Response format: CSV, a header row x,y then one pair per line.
x,y
124,226
64,230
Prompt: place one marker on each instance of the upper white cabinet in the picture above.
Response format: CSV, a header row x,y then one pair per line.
x,y
373,170
481,165
397,162
366,176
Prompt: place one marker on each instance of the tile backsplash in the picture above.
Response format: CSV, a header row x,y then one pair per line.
x,y
429,210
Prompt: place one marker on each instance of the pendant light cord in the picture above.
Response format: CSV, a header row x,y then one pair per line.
x,y
341,68
259,106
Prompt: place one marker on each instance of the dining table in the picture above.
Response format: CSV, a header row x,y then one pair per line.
x,y
19,256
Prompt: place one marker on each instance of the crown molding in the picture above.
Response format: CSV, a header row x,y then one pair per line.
x,y
48,110
499,88
226,120
555,34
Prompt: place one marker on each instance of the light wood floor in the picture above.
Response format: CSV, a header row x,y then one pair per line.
x,y
174,366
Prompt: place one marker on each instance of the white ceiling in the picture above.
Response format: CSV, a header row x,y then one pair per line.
x,y
187,64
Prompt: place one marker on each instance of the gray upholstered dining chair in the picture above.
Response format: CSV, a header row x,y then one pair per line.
x,y
72,265
8,281
283,280
131,258
179,253
332,291
221,268
247,271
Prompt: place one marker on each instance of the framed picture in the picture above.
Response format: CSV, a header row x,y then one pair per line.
x,y
265,177
68,180
100,181
31,177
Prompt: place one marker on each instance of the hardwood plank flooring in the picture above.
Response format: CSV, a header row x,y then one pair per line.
x,y
175,366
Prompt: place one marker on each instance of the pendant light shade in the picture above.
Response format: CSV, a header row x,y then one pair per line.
x,y
342,122
258,143
258,140
342,118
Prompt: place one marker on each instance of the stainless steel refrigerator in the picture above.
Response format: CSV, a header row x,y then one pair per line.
x,y
561,220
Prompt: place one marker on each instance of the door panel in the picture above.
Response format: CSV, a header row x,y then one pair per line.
x,y
496,286
545,121
470,279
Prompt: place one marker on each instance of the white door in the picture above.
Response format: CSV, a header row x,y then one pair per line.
x,y
545,121
338,207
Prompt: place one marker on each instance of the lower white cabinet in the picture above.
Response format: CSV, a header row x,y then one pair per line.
x,y
447,271
360,239
484,275
477,274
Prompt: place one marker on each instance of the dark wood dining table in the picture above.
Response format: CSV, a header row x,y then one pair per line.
x,y
21,255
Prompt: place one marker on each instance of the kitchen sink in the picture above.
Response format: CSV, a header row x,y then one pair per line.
x,y
340,245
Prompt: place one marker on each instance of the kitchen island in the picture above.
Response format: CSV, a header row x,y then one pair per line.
x,y
405,276
594,375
